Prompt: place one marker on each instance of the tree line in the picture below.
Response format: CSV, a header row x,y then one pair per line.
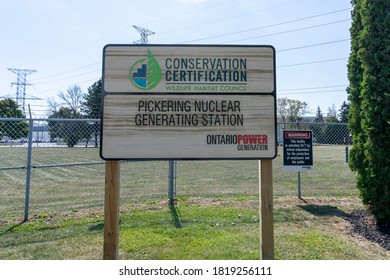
x,y
327,129
76,105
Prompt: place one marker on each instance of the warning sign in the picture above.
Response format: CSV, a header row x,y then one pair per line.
x,y
297,150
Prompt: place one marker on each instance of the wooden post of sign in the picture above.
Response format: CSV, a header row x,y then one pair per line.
x,y
111,210
266,210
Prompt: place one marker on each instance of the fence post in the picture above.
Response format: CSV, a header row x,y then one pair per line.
x,y
172,180
299,184
28,173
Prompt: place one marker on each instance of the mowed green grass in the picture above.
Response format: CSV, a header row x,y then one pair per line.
x,y
62,189
216,215
195,230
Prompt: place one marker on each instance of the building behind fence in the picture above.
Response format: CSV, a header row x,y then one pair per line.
x,y
51,166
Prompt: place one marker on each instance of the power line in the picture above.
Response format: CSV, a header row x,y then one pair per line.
x,y
221,36
266,26
121,30
309,88
312,62
230,17
283,50
64,78
289,31
310,92
81,82
189,12
71,70
313,45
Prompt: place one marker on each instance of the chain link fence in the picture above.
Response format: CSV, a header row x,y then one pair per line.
x,y
52,166
331,175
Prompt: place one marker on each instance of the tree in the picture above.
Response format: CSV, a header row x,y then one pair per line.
x,y
53,104
319,116
343,112
91,107
343,118
10,109
291,110
12,129
369,96
331,116
70,131
332,131
72,98
318,129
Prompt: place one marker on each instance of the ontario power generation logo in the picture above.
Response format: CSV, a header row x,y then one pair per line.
x,y
145,74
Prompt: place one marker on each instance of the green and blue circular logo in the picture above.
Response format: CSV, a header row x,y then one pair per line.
x,y
145,74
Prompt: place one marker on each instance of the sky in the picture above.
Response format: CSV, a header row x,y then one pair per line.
x,y
63,41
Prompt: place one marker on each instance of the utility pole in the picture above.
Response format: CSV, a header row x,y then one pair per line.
x,y
21,84
144,35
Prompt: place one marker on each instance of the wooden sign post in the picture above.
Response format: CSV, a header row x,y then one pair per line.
x,y
111,210
266,210
188,102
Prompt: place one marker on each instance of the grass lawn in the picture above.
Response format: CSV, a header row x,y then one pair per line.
x,y
216,216
196,229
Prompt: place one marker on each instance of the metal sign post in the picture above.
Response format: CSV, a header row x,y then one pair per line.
x,y
298,153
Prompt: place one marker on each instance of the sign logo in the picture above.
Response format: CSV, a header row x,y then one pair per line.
x,y
145,73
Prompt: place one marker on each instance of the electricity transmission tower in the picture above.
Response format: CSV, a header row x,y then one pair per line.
x,y
172,164
144,35
21,84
